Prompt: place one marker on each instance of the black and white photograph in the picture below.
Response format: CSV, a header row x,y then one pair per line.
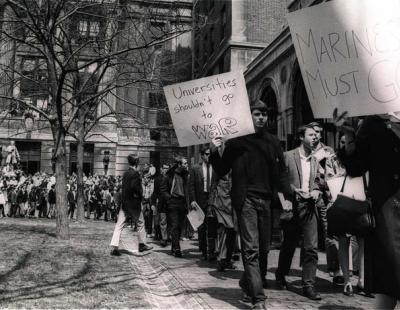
x,y
200,154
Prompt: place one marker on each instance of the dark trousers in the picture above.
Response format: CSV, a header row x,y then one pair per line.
x,y
202,230
43,210
14,210
176,215
226,242
331,244
292,231
255,235
71,210
148,218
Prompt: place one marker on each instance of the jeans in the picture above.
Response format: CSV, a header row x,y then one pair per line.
x,y
163,226
292,231
255,235
225,243
331,244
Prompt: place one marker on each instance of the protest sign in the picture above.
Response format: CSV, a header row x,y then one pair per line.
x,y
349,55
215,106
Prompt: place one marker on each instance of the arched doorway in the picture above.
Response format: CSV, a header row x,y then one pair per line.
x,y
269,97
302,113
301,105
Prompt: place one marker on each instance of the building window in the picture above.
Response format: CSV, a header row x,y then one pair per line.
x,y
88,29
223,23
212,45
34,77
205,49
88,158
30,154
156,100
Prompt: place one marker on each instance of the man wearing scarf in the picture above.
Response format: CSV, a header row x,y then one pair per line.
x,y
175,192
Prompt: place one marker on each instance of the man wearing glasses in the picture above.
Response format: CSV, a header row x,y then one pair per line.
x,y
202,179
258,172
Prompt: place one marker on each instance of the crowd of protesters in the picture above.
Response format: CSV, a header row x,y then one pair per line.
x,y
234,186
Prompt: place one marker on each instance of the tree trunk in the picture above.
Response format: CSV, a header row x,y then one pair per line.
x,y
62,221
80,215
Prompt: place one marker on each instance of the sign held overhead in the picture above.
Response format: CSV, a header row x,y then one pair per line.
x,y
349,55
215,106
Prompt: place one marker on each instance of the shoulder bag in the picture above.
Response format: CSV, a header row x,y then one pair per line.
x,y
351,216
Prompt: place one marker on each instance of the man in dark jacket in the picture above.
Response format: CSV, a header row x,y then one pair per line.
x,y
202,179
71,197
131,206
174,192
161,206
258,172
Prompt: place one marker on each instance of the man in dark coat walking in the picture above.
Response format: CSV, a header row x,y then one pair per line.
x,y
258,172
202,178
161,206
174,192
131,206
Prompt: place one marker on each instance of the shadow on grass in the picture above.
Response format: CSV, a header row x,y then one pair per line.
x,y
76,283
40,267
20,229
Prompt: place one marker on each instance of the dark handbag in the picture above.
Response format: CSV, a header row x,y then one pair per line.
x,y
350,216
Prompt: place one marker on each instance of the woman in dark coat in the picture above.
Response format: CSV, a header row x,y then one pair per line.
x,y
376,148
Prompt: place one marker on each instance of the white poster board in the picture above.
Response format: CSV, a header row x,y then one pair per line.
x,y
210,107
196,217
349,55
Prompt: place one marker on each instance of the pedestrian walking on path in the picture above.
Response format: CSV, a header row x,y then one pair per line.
x,y
131,206
258,170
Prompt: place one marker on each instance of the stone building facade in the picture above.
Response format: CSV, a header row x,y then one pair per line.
x,y
230,34
274,76
148,132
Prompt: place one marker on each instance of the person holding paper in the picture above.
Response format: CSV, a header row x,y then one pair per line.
x,y
174,191
376,148
303,170
258,172
202,179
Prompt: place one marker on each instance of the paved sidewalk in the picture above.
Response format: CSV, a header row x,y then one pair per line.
x,y
189,283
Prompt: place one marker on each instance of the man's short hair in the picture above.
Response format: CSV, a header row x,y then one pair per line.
x,y
315,124
133,159
302,130
204,149
258,105
178,159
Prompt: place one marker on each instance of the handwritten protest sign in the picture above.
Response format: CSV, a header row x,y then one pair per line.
x,y
349,55
209,107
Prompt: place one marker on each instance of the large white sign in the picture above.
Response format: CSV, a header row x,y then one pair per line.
x,y
215,106
349,55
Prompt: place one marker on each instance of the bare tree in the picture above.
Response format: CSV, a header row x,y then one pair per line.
x,y
80,54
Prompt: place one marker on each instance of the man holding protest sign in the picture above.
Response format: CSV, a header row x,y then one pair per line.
x,y
258,171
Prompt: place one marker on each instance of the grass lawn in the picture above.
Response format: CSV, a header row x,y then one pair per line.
x,y
39,271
